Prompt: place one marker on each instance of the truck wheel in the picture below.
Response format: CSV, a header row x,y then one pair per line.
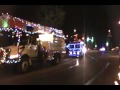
x,y
56,60
24,65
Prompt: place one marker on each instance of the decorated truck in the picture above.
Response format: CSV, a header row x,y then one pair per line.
x,y
23,43
76,49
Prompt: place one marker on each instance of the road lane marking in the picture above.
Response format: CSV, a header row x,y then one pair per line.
x,y
66,59
92,57
93,79
77,64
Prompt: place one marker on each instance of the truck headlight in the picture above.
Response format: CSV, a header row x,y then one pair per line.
x,y
3,61
78,52
13,56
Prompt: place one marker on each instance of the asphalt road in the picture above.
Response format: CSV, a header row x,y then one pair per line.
x,y
110,74
94,68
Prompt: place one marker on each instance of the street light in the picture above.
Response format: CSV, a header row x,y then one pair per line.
x,y
92,39
119,22
95,46
88,39
74,30
67,36
108,44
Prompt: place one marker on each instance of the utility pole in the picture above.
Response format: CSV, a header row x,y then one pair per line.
x,y
109,39
84,19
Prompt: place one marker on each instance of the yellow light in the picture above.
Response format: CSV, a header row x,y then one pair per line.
x,y
13,56
119,75
46,37
37,39
116,83
119,22
40,31
66,35
3,61
82,38
108,30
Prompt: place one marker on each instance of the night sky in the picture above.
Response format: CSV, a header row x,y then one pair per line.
x,y
95,18
98,19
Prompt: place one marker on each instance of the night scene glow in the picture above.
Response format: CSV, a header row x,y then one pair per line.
x,y
59,45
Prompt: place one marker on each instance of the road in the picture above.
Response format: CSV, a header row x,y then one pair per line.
x,y
93,69
110,73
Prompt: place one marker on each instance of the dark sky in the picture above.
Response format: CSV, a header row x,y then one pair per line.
x,y
98,19
94,16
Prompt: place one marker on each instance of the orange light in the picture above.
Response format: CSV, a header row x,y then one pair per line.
x,y
83,38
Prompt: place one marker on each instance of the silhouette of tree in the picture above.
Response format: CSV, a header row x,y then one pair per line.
x,y
50,15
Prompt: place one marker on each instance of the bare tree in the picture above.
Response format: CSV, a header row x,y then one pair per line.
x,y
50,15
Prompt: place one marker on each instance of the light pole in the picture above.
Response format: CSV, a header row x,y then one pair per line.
x,y
109,40
84,19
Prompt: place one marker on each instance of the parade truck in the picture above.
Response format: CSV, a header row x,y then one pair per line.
x,y
76,49
21,47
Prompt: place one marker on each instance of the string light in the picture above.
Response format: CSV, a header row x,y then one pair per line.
x,y
20,25
46,29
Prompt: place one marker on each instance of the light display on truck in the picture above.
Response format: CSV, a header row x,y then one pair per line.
x,y
24,42
76,48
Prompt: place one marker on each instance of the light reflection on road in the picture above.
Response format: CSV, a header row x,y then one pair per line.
x,y
117,81
84,68
76,64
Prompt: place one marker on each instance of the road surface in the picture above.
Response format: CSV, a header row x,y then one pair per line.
x,y
94,68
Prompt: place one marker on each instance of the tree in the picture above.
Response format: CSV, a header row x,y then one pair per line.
x,y
50,15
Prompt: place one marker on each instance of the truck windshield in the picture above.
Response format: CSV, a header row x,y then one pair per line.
x,y
71,46
11,38
77,46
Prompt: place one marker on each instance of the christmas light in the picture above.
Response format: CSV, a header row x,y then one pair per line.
x,y
43,28
17,25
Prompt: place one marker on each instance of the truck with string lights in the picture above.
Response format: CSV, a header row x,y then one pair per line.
x,y
24,43
76,49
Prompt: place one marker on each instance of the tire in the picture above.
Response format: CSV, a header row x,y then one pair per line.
x,y
24,65
40,58
56,59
